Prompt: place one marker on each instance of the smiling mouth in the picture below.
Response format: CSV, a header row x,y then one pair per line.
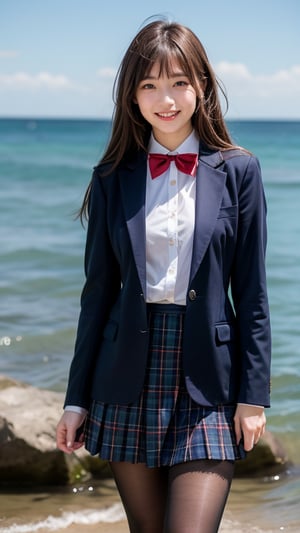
x,y
168,116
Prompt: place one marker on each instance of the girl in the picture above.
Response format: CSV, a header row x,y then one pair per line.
x,y
171,376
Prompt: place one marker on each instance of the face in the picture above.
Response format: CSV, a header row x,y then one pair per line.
x,y
168,104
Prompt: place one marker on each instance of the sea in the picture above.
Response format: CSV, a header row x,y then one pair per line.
x,y
45,167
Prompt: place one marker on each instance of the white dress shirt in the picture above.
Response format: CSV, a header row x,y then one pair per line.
x,y
170,220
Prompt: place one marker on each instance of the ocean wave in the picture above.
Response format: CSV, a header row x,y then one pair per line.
x,y
115,513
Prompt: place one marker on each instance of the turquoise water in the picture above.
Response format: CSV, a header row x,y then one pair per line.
x,y
45,166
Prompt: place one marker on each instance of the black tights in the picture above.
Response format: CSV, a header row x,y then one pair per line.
x,y
185,498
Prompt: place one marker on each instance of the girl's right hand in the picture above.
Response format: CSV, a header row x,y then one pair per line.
x,y
66,430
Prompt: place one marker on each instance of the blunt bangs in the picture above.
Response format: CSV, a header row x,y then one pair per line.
x,y
167,59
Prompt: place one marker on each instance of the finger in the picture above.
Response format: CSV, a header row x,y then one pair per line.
x,y
249,439
259,435
61,439
248,443
77,445
65,437
70,438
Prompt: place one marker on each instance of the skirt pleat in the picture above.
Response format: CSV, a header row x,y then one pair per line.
x,y
164,426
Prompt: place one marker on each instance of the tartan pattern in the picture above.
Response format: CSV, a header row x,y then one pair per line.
x,y
165,426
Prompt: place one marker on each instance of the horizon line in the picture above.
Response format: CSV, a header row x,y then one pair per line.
x,y
108,119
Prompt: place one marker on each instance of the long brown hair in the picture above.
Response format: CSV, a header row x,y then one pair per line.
x,y
166,43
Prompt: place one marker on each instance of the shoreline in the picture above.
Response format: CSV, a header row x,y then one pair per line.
x,y
91,507
120,526
104,515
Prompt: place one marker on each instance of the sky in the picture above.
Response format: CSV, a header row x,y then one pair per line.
x,y
58,58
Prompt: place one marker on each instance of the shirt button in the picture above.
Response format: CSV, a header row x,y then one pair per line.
x,y
173,182
192,295
171,242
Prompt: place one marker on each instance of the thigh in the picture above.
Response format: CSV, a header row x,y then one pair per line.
x,y
143,492
197,496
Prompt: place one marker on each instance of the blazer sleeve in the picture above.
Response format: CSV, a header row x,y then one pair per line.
x,y
98,295
249,290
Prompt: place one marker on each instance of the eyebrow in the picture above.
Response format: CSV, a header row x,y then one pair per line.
x,y
174,75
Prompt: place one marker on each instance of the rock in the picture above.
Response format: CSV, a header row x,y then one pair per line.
x,y
267,458
28,453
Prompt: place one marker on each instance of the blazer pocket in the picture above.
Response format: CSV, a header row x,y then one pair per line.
x,y
224,333
110,330
227,211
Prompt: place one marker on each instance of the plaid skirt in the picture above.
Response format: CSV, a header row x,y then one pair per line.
x,y
164,426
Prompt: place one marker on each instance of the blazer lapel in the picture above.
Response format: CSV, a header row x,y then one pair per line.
x,y
133,190
209,192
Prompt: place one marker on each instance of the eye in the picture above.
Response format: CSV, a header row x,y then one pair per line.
x,y
147,86
181,83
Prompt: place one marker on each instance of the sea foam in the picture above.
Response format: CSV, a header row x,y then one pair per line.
x,y
115,513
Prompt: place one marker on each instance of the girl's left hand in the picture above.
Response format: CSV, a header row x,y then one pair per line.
x,y
250,423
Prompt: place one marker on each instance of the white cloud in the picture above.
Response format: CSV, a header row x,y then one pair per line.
x,y
233,70
261,95
23,80
241,71
8,53
107,72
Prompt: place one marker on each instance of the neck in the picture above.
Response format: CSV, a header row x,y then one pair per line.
x,y
169,141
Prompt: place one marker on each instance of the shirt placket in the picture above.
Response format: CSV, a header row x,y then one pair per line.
x,y
172,231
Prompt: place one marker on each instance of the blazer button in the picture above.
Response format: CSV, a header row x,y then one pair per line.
x,y
192,294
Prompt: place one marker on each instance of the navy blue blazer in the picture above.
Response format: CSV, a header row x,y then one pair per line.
x,y
226,341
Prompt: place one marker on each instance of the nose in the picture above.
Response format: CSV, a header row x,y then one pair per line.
x,y
167,97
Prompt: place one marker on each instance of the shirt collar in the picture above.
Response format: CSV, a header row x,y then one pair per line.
x,y
189,145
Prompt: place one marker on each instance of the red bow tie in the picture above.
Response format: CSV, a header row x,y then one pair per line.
x,y
186,163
